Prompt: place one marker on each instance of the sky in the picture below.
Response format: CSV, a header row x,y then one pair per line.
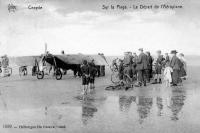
x,y
82,26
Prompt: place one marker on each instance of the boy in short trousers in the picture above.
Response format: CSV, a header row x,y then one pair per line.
x,y
85,76
92,74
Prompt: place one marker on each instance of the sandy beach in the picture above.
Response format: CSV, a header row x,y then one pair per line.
x,y
31,105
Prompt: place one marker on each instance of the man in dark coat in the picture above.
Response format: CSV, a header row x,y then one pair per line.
x,y
149,66
121,70
134,65
142,67
175,63
128,63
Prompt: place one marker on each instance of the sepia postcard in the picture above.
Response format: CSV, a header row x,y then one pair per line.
x,y
99,66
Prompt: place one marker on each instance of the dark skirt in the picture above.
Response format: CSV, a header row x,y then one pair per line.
x,y
182,72
175,76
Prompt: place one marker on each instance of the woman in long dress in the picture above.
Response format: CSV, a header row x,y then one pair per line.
x,y
183,70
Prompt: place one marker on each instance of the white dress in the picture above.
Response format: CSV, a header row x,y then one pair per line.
x,y
167,74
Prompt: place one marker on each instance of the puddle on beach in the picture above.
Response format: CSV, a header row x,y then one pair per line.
x,y
155,111
140,110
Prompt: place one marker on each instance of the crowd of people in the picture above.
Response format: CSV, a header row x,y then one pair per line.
x,y
143,68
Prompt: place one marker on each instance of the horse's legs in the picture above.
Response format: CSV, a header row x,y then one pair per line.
x,y
50,69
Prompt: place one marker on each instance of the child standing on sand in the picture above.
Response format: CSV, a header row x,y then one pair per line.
x,y
85,76
92,74
167,74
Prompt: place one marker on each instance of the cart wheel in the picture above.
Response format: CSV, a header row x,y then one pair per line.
x,y
115,77
58,74
40,75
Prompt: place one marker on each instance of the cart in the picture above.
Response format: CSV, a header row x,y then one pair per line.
x,y
6,71
40,67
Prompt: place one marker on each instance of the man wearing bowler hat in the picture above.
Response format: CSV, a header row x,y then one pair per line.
x,y
142,67
175,64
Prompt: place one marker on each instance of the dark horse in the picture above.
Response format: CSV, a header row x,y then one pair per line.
x,y
64,66
76,68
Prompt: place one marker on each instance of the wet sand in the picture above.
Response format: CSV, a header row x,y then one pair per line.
x,y
48,105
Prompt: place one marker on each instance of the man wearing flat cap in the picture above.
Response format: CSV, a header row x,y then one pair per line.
x,y
141,68
175,65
